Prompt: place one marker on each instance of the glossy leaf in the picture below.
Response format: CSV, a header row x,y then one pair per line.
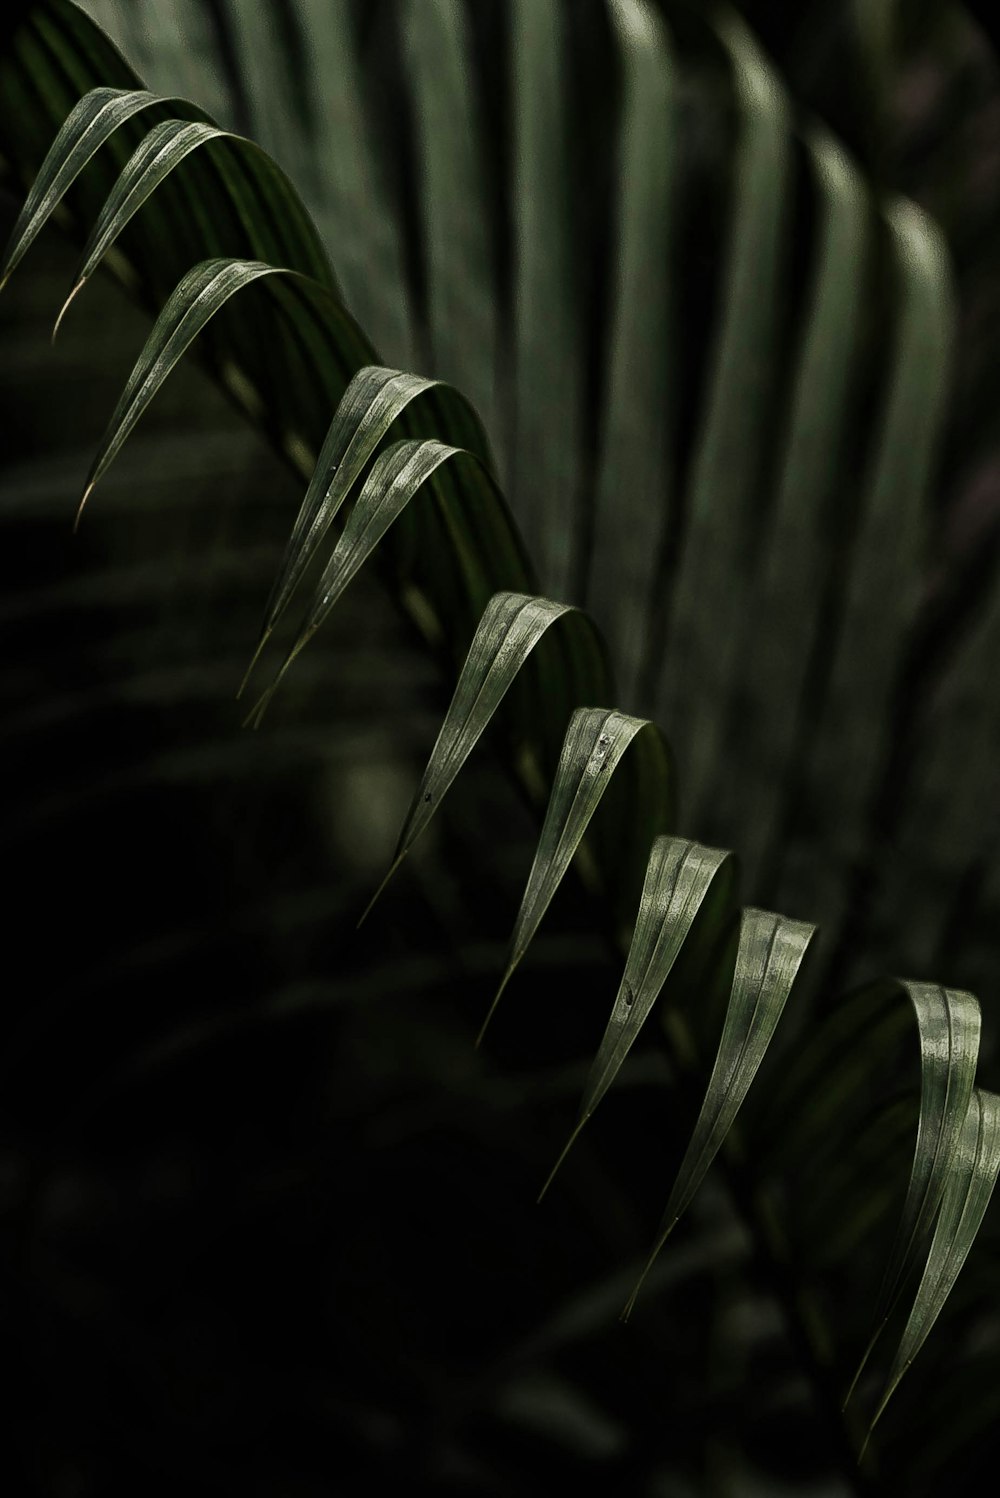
x,y
679,876
92,121
164,149
397,475
770,955
948,1025
374,400
595,742
971,1179
512,627
194,302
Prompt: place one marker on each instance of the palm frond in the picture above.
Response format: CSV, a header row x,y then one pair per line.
x,y
699,550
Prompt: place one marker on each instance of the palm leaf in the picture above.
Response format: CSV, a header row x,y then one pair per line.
x,y
963,1206
771,950
718,555
680,877
596,741
513,627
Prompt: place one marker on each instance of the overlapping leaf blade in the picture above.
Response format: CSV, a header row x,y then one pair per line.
x,y
397,476
948,1025
512,627
91,122
679,876
969,1186
194,302
374,400
770,956
596,739
162,151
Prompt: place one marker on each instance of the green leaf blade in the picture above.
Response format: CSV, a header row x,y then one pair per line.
x,y
770,955
971,1180
512,627
92,121
596,740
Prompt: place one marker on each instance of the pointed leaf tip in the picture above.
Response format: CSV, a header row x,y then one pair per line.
x,y
769,959
595,742
65,308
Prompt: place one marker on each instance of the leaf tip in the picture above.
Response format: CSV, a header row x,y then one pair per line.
x,y
265,635
79,509
385,880
562,1155
489,1014
65,307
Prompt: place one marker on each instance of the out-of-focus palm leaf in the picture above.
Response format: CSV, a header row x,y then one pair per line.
x,y
633,501
729,447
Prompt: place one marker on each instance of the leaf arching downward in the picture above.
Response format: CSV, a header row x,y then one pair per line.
x,y
948,1025
513,625
161,152
596,739
91,122
195,300
967,1193
375,398
942,1156
397,476
679,876
768,961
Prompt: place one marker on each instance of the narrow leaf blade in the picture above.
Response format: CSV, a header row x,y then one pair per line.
x,y
596,739
971,1179
769,959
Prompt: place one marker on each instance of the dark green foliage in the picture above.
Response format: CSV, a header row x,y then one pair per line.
x,y
712,357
